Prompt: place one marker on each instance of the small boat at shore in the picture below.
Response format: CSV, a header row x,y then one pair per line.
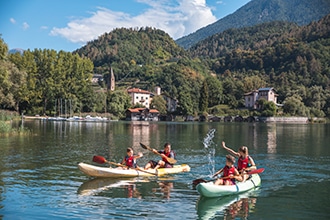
x,y
208,189
97,171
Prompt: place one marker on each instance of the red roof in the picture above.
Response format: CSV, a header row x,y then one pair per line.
x,y
136,90
141,109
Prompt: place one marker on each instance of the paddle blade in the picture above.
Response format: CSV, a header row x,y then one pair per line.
x,y
144,146
99,159
171,160
260,170
198,181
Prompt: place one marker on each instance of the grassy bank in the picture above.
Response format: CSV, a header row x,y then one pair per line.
x,y
6,127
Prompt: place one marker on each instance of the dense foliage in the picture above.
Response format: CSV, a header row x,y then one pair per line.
x,y
34,82
301,12
211,77
294,60
130,51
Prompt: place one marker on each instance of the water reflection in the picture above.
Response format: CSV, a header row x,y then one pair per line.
x,y
271,139
127,187
99,185
165,188
228,207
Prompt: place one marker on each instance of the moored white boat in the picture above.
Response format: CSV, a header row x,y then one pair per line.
x,y
208,189
97,171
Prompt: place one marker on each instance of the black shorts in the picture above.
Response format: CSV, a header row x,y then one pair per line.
x,y
154,164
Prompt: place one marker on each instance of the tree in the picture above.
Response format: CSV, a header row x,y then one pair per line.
x,y
252,83
3,49
294,106
159,103
118,102
266,108
203,101
215,91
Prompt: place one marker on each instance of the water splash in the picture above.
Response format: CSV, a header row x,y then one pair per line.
x,y
209,148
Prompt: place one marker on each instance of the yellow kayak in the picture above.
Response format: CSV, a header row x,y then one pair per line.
x,y
97,171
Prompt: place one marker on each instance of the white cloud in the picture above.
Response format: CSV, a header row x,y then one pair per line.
x,y
176,17
25,26
12,20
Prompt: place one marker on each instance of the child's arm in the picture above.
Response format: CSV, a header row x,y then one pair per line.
x,y
229,150
237,176
218,172
139,155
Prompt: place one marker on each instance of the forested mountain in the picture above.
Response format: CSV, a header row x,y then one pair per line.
x,y
292,59
301,12
126,50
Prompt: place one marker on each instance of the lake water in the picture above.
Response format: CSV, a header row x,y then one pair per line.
x,y
39,178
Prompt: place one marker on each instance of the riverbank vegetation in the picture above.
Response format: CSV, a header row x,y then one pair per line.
x,y
6,125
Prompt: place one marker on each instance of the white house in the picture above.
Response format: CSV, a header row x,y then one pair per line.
x,y
140,96
266,93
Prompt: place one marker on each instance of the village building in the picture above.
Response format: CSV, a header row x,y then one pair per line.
x,y
140,96
171,103
142,114
251,98
97,78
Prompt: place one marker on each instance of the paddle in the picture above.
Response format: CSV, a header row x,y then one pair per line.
x,y
169,159
198,181
102,160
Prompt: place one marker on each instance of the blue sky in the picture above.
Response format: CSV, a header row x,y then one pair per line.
x,y
69,24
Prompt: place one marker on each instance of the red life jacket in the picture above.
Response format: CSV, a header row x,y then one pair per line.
x,y
129,161
243,163
170,154
227,171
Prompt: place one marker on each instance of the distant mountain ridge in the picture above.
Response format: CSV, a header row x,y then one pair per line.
x,y
16,50
301,12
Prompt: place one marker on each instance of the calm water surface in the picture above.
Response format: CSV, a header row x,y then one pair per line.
x,y
39,178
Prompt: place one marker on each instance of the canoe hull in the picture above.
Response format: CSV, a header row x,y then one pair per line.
x,y
96,171
210,190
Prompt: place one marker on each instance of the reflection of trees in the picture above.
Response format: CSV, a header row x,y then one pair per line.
x,y
240,208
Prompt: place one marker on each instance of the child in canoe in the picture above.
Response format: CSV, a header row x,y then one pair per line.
x,y
244,162
230,173
166,153
130,159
